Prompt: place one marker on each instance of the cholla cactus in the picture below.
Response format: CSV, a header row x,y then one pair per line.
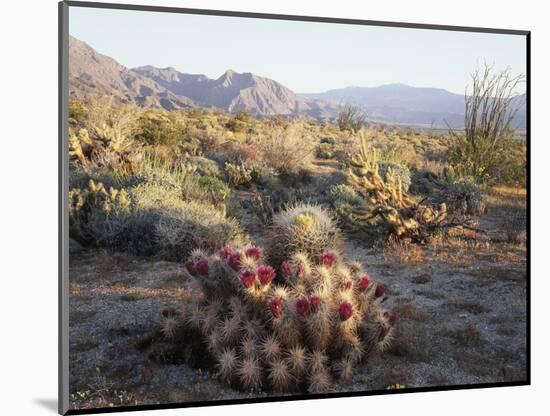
x,y
388,204
304,228
85,203
309,328
102,145
238,174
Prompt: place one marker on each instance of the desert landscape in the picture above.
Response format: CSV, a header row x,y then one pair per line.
x,y
231,238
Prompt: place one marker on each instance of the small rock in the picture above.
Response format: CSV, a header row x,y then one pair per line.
x,y
422,278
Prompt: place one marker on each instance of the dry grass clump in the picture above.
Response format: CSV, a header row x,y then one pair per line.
x,y
287,149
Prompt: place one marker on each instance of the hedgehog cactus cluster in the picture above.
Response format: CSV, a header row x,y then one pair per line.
x,y
298,325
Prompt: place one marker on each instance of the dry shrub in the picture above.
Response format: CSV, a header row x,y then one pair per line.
x,y
287,149
404,252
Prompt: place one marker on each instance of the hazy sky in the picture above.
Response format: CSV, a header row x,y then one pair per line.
x,y
304,56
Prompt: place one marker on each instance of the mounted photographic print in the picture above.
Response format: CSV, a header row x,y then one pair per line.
x,y
262,207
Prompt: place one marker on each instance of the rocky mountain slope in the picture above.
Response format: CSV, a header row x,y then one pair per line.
x,y
96,76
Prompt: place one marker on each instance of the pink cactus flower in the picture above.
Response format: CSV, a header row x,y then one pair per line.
x,y
254,252
383,332
314,303
348,285
327,258
248,277
391,317
276,307
346,310
298,271
365,282
302,307
190,266
380,289
266,274
285,270
225,252
234,260
201,266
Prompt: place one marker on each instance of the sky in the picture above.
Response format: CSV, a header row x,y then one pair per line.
x,y
306,57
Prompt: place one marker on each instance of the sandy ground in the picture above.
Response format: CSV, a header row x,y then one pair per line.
x,y
462,320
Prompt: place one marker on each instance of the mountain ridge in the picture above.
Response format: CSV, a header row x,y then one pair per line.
x,y
93,75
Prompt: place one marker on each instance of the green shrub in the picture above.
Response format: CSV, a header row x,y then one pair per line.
x,y
216,189
343,194
237,124
181,179
148,220
156,128
191,146
204,166
463,194
503,162
77,114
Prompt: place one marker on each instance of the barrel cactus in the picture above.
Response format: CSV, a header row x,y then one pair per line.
x,y
304,228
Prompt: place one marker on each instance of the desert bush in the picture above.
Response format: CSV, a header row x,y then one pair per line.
x,y
239,122
351,118
147,220
193,225
463,194
180,178
204,166
306,228
343,194
191,146
215,188
305,330
160,128
200,139
287,149
343,199
77,114
501,163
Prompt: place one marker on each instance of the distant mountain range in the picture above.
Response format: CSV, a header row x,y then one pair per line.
x,y
403,104
93,75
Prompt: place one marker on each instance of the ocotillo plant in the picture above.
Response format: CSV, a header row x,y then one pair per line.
x,y
310,326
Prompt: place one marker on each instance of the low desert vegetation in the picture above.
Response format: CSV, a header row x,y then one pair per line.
x,y
265,227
